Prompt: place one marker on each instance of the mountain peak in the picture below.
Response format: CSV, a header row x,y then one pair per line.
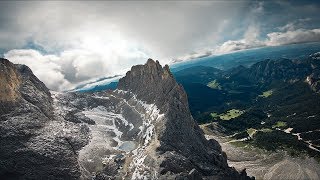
x,y
180,138
149,81
151,62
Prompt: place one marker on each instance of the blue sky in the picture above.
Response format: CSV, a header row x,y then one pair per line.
x,y
70,43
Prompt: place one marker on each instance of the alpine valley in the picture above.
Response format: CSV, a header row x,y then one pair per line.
x,y
265,112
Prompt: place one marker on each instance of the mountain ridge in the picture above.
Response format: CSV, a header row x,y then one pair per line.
x,y
88,131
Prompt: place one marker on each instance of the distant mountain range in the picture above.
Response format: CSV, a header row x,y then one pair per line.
x,y
250,56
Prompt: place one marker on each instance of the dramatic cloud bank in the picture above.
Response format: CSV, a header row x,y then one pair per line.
x,y
67,70
44,67
274,39
250,40
165,29
67,43
293,36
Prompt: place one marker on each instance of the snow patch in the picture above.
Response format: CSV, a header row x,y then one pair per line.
x,y
101,97
313,116
147,131
107,120
288,131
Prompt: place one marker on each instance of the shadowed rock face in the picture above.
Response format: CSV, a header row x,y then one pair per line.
x,y
143,129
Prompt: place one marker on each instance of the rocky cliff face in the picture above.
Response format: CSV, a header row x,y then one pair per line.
x,y
314,79
143,129
9,81
182,144
33,143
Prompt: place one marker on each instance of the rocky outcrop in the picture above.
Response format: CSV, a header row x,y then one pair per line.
x,y
183,147
33,142
9,81
314,82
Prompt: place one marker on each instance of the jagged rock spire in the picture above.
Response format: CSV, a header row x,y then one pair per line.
x,y
182,142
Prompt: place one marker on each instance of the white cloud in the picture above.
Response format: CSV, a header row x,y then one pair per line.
x,y
250,40
93,39
73,67
250,37
296,24
46,68
293,36
165,29
87,54
193,55
91,85
288,27
242,44
89,40
293,32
